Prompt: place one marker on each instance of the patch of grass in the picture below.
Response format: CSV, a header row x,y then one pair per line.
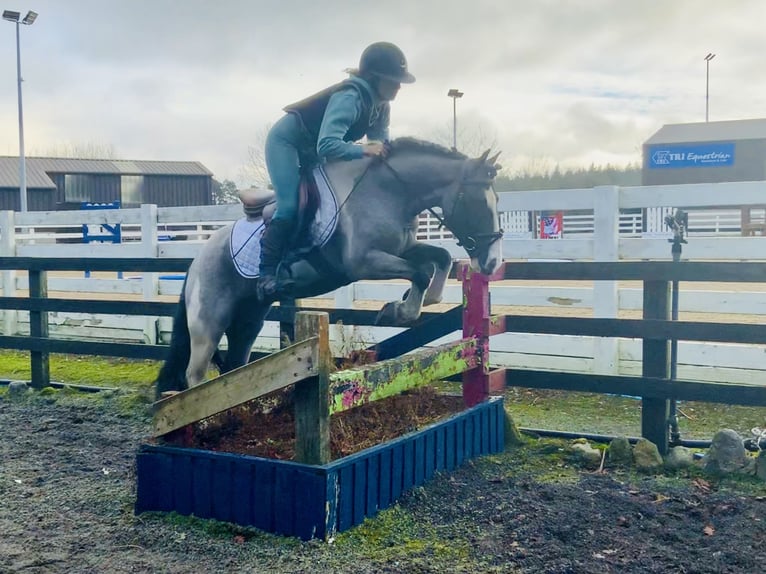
x,y
129,403
617,415
394,534
84,370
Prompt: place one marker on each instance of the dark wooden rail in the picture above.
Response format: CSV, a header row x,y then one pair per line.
x,y
655,328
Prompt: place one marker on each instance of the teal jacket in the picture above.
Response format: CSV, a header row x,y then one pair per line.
x,y
340,115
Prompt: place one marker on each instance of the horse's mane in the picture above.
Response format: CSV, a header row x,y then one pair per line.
x,y
408,144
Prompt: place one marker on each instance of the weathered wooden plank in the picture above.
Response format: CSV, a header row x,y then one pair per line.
x,y
271,373
637,328
734,394
430,328
139,264
360,385
639,270
44,344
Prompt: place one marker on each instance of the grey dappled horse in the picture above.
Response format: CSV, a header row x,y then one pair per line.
x,y
374,239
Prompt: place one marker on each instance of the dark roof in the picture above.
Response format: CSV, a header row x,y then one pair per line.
x,y
38,169
710,131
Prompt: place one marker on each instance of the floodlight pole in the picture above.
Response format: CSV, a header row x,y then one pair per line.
x,y
29,19
22,159
454,94
709,57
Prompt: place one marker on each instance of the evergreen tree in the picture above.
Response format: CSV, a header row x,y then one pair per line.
x,y
225,192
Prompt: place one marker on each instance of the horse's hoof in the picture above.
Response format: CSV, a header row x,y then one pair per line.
x,y
388,314
434,301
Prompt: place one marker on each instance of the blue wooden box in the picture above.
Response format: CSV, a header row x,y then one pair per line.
x,y
310,501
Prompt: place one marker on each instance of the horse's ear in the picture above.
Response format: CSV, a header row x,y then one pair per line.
x,y
493,159
484,156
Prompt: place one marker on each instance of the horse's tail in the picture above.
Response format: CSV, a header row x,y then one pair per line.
x,y
172,375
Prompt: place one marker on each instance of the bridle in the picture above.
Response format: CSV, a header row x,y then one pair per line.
x,y
468,241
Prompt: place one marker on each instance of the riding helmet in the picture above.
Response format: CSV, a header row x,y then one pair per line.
x,y
385,60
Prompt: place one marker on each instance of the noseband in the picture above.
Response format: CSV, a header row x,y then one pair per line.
x,y
473,241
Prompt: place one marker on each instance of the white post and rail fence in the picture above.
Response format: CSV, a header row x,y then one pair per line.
x,y
603,224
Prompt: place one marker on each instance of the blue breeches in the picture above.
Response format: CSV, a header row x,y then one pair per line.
x,y
283,143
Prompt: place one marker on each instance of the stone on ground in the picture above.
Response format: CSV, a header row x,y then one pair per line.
x,y
679,457
727,454
647,456
620,452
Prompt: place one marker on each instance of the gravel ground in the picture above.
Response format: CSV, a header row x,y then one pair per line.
x,y
67,494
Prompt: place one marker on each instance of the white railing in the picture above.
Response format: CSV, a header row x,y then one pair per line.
x,y
600,224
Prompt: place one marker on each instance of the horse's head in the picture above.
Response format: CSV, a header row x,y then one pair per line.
x,y
470,212
461,187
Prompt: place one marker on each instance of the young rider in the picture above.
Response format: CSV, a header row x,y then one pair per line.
x,y
326,126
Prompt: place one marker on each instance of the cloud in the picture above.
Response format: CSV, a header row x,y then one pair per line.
x,y
570,81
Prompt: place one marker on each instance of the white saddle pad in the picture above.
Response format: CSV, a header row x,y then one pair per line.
x,y
245,244
246,234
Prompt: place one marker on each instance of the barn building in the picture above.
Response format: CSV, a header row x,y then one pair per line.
x,y
711,152
706,152
64,184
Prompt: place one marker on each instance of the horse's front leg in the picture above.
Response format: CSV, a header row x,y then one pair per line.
x,y
423,253
378,265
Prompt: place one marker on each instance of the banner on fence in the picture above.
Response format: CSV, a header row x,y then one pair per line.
x,y
552,225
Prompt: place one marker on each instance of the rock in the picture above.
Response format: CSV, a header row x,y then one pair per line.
x,y
760,465
726,454
586,454
679,457
620,452
647,456
17,388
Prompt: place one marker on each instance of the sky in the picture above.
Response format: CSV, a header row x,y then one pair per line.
x,y
568,83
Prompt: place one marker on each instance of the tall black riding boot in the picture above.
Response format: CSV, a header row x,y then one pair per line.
x,y
273,247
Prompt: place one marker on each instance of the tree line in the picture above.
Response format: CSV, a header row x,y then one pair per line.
x,y
557,178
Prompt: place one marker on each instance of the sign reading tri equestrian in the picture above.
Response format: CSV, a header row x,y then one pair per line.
x,y
714,154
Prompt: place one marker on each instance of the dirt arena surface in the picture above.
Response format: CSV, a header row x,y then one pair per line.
x,y
67,489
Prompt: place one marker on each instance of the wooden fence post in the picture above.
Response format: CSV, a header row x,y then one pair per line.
x,y
606,247
38,327
8,249
479,382
312,409
656,363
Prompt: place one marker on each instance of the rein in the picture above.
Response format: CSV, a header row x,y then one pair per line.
x,y
468,242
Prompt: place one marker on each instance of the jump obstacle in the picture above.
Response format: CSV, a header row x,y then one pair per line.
x,y
313,497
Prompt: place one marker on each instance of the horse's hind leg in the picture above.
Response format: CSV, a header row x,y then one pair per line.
x,y
205,331
241,334
202,348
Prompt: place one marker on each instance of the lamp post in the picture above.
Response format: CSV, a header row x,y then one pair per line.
x,y
709,57
454,94
28,20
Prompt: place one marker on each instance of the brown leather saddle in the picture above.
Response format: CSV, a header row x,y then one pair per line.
x,y
261,203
